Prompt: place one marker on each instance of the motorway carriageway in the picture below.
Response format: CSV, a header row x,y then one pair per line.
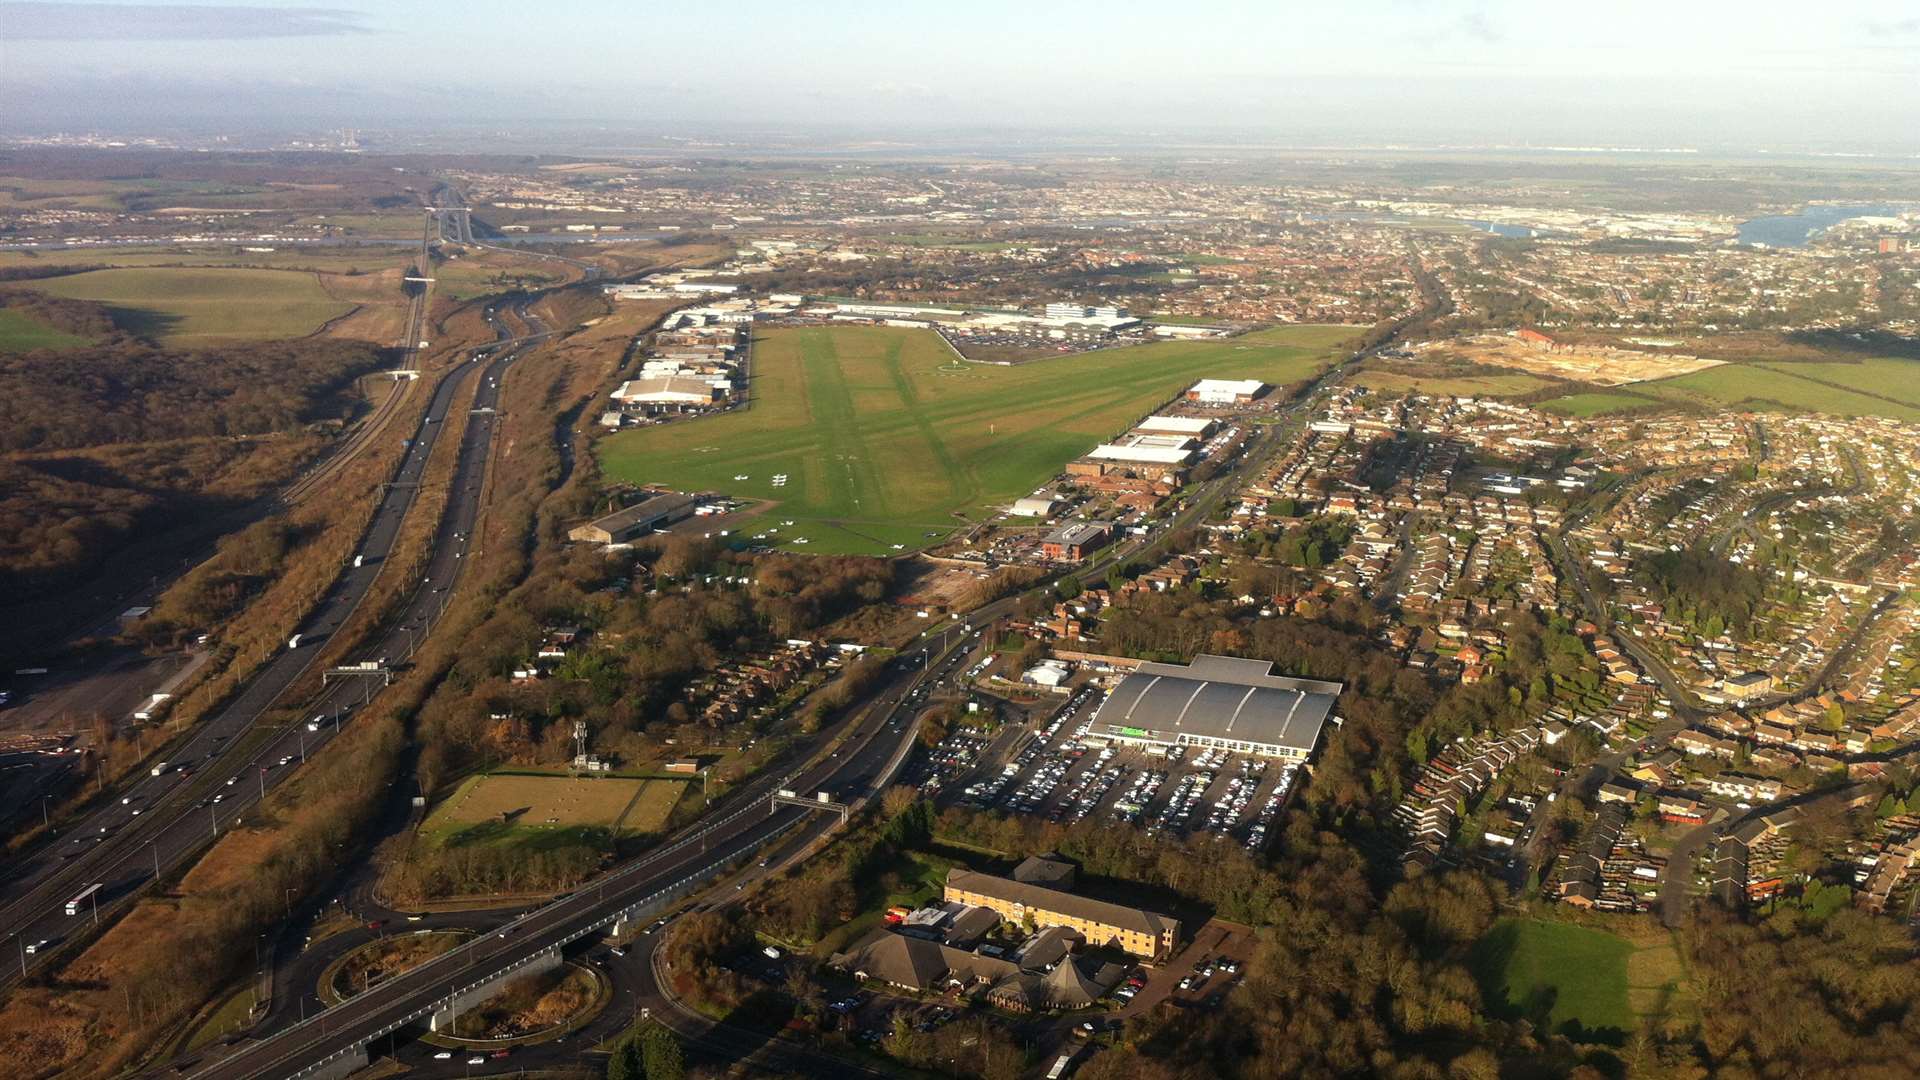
x,y
738,831
122,850
705,845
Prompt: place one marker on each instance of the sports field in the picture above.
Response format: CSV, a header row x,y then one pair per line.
x,y
194,305
21,332
887,439
1569,979
518,807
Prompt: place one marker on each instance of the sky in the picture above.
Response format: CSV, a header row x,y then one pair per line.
x,y
1841,76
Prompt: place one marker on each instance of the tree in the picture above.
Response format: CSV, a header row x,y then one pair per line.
x,y
624,1062
660,1053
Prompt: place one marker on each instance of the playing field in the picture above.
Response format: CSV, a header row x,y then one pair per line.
x,y
1569,978
885,438
495,807
21,332
194,305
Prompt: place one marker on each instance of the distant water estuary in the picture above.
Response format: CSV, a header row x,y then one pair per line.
x,y
1794,230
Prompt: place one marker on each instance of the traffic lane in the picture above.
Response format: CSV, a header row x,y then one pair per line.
x,y
133,866
359,1019
743,830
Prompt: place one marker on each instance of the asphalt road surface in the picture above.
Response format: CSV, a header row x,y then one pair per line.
x,y
736,832
217,774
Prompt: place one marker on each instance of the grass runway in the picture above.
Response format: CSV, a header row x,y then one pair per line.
x,y
885,439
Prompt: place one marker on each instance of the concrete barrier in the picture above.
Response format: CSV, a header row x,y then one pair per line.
x,y
345,1063
448,1012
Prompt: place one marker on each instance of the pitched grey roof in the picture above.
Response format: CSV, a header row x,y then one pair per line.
x,y
1221,697
916,962
655,507
1068,987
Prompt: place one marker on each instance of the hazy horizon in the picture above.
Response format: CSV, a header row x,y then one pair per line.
x,y
1706,76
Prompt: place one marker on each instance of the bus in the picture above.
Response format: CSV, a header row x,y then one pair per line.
x,y
74,905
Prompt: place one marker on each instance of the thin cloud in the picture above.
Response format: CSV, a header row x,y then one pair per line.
x,y
1477,26
171,22
1896,28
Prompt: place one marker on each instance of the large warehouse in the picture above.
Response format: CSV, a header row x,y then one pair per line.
x,y
1226,391
1218,701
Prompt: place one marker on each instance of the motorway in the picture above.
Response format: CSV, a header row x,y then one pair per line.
x,y
855,769
225,766
738,829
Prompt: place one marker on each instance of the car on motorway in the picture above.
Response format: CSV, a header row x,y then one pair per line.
x,y
38,945
477,1059
443,1055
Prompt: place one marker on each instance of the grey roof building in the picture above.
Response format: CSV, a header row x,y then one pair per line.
x,y
1049,870
658,508
1219,701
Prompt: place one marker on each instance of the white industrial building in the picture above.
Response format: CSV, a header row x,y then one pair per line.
x,y
1077,312
1195,427
1218,702
1152,449
671,393
1226,391
1039,506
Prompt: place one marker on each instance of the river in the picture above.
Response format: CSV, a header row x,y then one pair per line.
x,y
1794,230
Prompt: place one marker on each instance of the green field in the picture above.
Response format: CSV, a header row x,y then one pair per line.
x,y
1874,387
886,438
21,332
1512,385
1566,979
1885,377
540,810
1753,386
1598,404
188,306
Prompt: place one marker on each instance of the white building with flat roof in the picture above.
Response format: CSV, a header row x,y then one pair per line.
x,y
1226,391
1198,427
